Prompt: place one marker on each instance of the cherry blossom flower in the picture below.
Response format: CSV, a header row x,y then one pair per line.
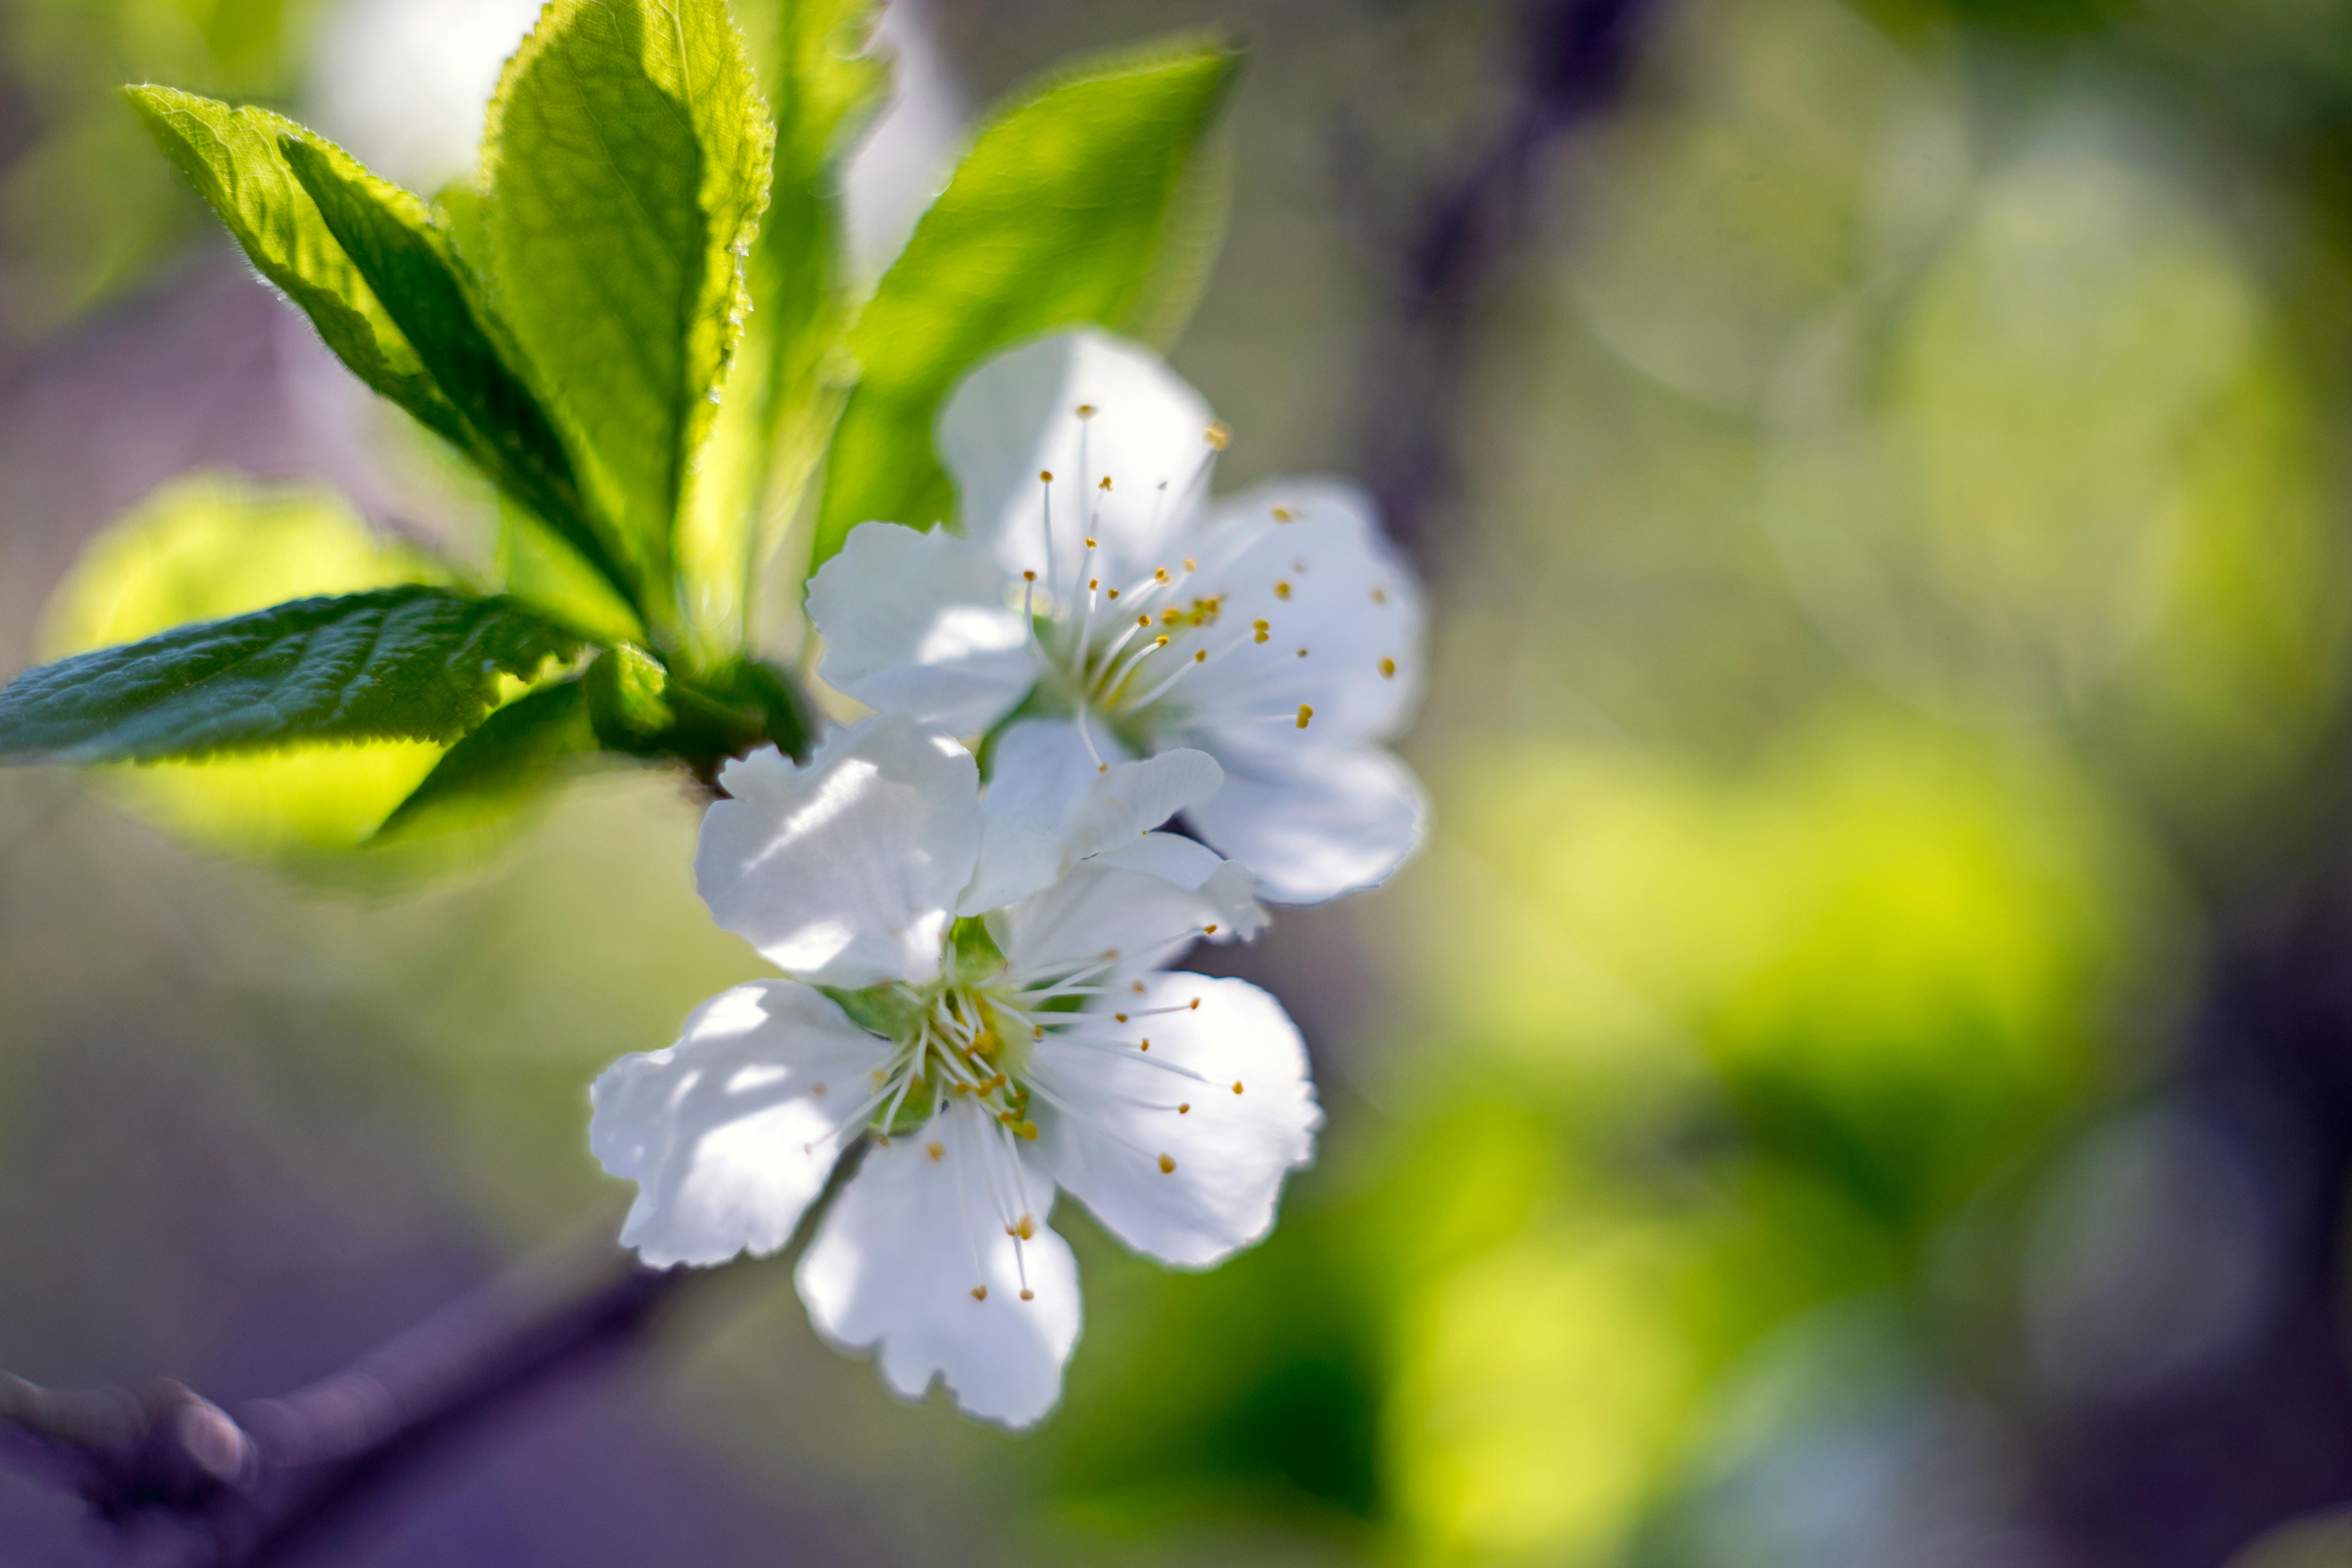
x,y
1098,600
978,982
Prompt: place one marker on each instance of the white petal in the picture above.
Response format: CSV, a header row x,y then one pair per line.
x,y
728,1133
1181,1169
1100,911
1016,416
922,1226
1326,582
1315,822
843,872
926,626
1049,806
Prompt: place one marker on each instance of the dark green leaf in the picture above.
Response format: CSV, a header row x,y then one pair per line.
x,y
407,663
407,259
1064,211
517,752
625,165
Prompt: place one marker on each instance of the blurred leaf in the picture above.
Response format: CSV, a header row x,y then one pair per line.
x,y
1889,945
391,236
1062,212
625,165
232,157
789,380
502,767
411,663
207,547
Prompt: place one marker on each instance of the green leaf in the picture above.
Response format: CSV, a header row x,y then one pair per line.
x,y
791,374
409,261
500,768
1064,211
625,163
232,157
406,663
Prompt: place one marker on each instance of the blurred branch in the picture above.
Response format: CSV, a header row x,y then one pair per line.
x,y
1573,60
265,1486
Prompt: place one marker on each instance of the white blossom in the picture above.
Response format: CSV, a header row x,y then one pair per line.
x,y
1096,599
979,983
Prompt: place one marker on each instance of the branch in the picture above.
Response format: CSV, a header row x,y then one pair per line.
x,y
1574,60
283,1474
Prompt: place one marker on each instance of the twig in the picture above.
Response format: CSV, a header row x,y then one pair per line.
x,y
265,1486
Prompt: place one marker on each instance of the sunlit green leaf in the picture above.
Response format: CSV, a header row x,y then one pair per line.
x,y
625,165
232,157
789,382
392,238
407,663
1063,212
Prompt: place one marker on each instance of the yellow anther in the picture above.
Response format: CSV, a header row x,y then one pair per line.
x,y
1046,475
1029,1129
1092,583
959,1089
1306,712
1207,930
1028,576
1167,1166
1112,592
1143,620
1201,655
1139,987
1120,1016
1217,434
1027,1229
1196,1001
1184,1110
1191,564
1261,634
1106,484
1388,669
1282,590
1283,514
1037,1031
1159,641
1380,595
935,1150
1160,573
1237,1086
1147,1042
1028,1295
980,1292
1302,653
883,1139
1086,410
1170,617
1090,544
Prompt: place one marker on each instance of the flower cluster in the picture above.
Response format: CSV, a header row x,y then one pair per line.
x,y
978,971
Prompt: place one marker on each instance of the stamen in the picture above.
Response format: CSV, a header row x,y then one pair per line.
x,y
1305,712
1282,590
1388,669
1167,1166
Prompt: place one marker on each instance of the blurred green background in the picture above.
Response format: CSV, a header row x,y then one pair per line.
x,y
1861,1073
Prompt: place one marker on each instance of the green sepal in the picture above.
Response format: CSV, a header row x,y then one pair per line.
x,y
640,708
889,1009
974,957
